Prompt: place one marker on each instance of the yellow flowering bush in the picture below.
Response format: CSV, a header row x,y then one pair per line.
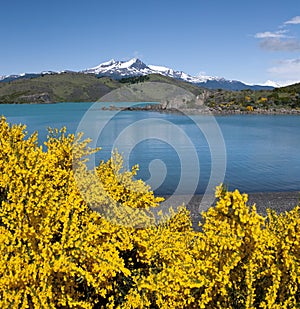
x,y
73,237
56,252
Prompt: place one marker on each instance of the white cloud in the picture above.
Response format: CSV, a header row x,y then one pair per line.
x,y
288,70
268,34
279,40
295,20
285,72
277,44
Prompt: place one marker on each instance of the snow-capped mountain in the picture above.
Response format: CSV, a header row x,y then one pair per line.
x,y
9,78
113,68
135,67
271,84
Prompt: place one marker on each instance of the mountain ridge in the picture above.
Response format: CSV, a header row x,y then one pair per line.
x,y
117,69
135,67
79,87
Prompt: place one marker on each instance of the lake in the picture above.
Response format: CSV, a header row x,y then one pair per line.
x,y
178,153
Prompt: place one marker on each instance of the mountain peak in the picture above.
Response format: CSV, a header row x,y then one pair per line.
x,y
132,67
137,63
135,67
110,62
105,64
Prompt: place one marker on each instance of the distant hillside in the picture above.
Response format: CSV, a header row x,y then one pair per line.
x,y
295,88
232,85
194,89
74,87
82,87
64,87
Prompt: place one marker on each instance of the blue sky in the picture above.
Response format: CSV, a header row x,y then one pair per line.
x,y
251,41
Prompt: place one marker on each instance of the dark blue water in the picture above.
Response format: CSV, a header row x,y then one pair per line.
x,y
181,153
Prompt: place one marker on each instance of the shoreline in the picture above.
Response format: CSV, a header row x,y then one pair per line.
x,y
278,201
204,110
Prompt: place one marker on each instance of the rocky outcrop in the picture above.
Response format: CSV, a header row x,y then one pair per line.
x,y
35,98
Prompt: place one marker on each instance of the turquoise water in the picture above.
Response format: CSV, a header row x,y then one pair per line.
x,y
180,153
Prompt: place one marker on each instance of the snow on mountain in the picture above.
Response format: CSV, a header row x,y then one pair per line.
x,y
159,68
135,67
10,77
177,74
132,67
49,72
289,82
271,84
201,78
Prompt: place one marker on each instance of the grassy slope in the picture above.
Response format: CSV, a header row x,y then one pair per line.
x,y
64,87
79,87
72,87
185,85
291,88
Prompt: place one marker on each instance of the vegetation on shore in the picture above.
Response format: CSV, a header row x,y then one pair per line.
x,y
284,98
79,87
77,238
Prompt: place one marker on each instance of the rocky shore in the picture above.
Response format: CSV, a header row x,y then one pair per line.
x,y
278,201
259,111
204,110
